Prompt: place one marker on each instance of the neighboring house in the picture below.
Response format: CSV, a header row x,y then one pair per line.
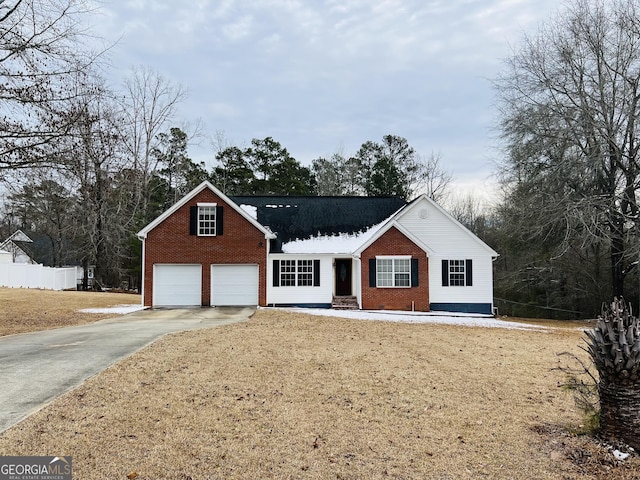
x,y
18,245
6,257
37,249
210,249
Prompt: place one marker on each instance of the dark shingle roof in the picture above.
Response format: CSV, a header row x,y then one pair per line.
x,y
294,218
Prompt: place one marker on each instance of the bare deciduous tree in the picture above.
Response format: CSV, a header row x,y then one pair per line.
x,y
41,49
92,157
149,105
570,105
431,178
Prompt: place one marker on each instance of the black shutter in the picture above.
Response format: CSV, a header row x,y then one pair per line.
x,y
276,273
414,272
193,220
219,221
445,273
372,272
316,273
469,272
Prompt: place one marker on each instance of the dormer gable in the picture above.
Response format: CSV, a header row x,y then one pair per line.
x,y
217,216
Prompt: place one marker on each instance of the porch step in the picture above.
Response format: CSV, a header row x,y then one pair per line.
x,y
349,302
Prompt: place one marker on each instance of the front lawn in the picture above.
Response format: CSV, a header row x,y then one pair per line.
x,y
289,395
27,310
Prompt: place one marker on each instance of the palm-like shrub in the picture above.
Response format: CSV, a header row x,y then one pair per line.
x,y
614,347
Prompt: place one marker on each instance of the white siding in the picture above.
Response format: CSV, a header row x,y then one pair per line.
x,y
480,292
322,294
448,240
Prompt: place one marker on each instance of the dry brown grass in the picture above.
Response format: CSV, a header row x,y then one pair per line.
x,y
293,396
26,310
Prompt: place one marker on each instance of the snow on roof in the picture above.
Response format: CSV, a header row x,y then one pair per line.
x,y
342,243
251,210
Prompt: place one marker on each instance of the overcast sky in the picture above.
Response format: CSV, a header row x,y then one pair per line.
x,y
321,76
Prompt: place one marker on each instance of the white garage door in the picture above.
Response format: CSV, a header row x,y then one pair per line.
x,y
177,285
234,285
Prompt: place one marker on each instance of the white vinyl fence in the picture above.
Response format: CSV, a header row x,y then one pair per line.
x,y
24,275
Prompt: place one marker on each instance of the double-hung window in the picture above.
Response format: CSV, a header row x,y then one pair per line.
x,y
305,273
296,273
393,272
206,220
457,273
287,273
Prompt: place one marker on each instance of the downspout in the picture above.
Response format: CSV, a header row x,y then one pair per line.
x,y
358,280
494,309
142,238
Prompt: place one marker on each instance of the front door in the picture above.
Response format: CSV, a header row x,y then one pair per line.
x,y
343,276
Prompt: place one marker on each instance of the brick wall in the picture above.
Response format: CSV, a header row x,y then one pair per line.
x,y
170,242
393,242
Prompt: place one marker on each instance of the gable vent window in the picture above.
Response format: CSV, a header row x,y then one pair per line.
x,y
296,273
457,273
206,220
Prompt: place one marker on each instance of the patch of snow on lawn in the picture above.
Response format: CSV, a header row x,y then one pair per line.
x,y
117,309
445,318
620,455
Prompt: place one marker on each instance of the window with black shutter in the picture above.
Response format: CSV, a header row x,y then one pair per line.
x,y
457,273
296,273
206,220
393,272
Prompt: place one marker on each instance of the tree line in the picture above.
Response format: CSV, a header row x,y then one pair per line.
x,y
388,168
567,222
90,204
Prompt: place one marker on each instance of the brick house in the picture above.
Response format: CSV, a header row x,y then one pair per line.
x,y
375,253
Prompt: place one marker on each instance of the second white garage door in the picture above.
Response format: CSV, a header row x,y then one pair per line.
x,y
234,285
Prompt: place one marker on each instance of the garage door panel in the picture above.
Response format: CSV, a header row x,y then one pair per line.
x,y
234,285
177,285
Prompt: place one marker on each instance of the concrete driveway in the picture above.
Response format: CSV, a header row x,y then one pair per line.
x,y
35,368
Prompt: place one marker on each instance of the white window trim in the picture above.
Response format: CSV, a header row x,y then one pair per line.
x,y
207,204
450,273
307,275
393,278
297,274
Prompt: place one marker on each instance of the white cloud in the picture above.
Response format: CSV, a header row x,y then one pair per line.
x,y
238,29
318,74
